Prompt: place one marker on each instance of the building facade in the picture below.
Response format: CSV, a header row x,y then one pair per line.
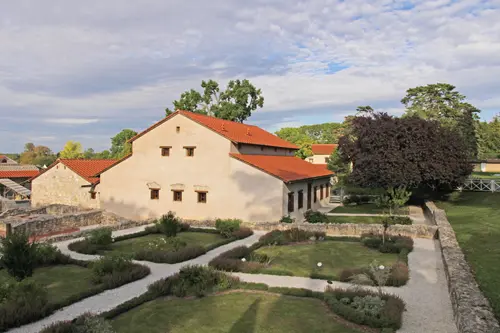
x,y
204,168
69,182
321,153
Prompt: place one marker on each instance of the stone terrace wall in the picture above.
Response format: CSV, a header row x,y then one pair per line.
x,y
333,229
472,310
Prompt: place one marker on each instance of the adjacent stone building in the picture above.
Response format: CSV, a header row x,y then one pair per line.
x,y
69,182
204,168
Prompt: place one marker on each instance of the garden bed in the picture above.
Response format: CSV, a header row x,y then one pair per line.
x,y
200,299
369,208
58,281
168,241
300,253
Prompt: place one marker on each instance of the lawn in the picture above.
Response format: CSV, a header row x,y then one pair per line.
x,y
61,282
302,259
487,175
367,209
133,245
238,312
356,219
475,217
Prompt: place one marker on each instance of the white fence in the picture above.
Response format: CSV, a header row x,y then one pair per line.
x,y
482,185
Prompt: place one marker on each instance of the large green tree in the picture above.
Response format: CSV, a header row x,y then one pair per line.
x,y
72,149
443,103
119,145
489,138
236,103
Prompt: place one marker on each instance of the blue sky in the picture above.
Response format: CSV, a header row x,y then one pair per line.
x,y
73,70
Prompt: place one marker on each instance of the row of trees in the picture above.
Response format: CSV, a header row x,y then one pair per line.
x,y
42,155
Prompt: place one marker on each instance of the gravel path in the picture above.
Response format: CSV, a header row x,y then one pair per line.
x,y
426,294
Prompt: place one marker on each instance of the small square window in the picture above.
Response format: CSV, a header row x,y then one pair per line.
x,y
165,151
326,160
189,151
155,194
93,195
178,129
177,195
202,197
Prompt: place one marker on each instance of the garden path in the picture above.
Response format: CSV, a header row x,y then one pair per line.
x,y
426,294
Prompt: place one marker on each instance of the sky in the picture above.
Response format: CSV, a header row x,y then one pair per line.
x,y
84,70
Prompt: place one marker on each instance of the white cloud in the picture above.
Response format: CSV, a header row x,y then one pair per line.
x,y
68,62
71,121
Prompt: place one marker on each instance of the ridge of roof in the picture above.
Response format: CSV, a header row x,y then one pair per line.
x,y
287,168
233,131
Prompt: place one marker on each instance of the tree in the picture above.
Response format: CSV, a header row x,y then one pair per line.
x,y
338,165
442,103
236,103
489,139
72,149
103,155
37,155
411,152
89,153
119,145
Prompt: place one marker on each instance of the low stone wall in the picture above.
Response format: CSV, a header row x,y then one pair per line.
x,y
472,311
334,229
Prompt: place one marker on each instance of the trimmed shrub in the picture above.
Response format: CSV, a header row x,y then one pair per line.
x,y
398,220
399,275
286,219
227,226
110,264
294,235
86,323
315,217
159,256
242,233
100,237
83,246
47,254
169,224
236,253
19,256
372,242
347,274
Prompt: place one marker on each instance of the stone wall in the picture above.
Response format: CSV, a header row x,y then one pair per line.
x,y
333,229
473,313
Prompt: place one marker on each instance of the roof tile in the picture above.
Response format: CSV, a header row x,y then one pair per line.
x,y
323,149
286,168
18,173
87,169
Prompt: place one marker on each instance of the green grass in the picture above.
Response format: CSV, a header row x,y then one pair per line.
x,y
475,218
367,209
238,312
133,245
302,259
491,175
356,219
61,281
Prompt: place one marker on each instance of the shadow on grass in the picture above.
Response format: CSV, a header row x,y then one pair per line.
x,y
246,323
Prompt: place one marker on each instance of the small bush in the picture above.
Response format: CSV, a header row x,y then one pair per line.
x,y
83,246
242,233
347,274
286,219
100,237
372,242
19,256
47,254
160,256
109,265
398,220
227,226
85,323
315,217
169,224
399,275
236,252
272,237
388,247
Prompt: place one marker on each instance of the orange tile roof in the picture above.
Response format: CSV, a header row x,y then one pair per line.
x,y
18,173
286,168
87,169
323,149
236,132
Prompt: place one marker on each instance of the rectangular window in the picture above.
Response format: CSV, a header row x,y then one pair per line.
x,y
290,202
178,129
165,151
301,199
315,194
311,160
177,195
327,190
189,151
202,197
326,160
155,194
321,192
93,195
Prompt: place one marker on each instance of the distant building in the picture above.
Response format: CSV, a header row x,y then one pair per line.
x,y
321,153
69,182
15,178
490,165
6,160
204,168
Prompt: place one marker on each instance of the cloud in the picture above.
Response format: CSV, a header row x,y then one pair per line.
x,y
71,121
118,65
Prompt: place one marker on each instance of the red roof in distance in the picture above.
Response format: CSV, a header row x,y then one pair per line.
x,y
18,173
323,148
236,132
286,168
87,169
